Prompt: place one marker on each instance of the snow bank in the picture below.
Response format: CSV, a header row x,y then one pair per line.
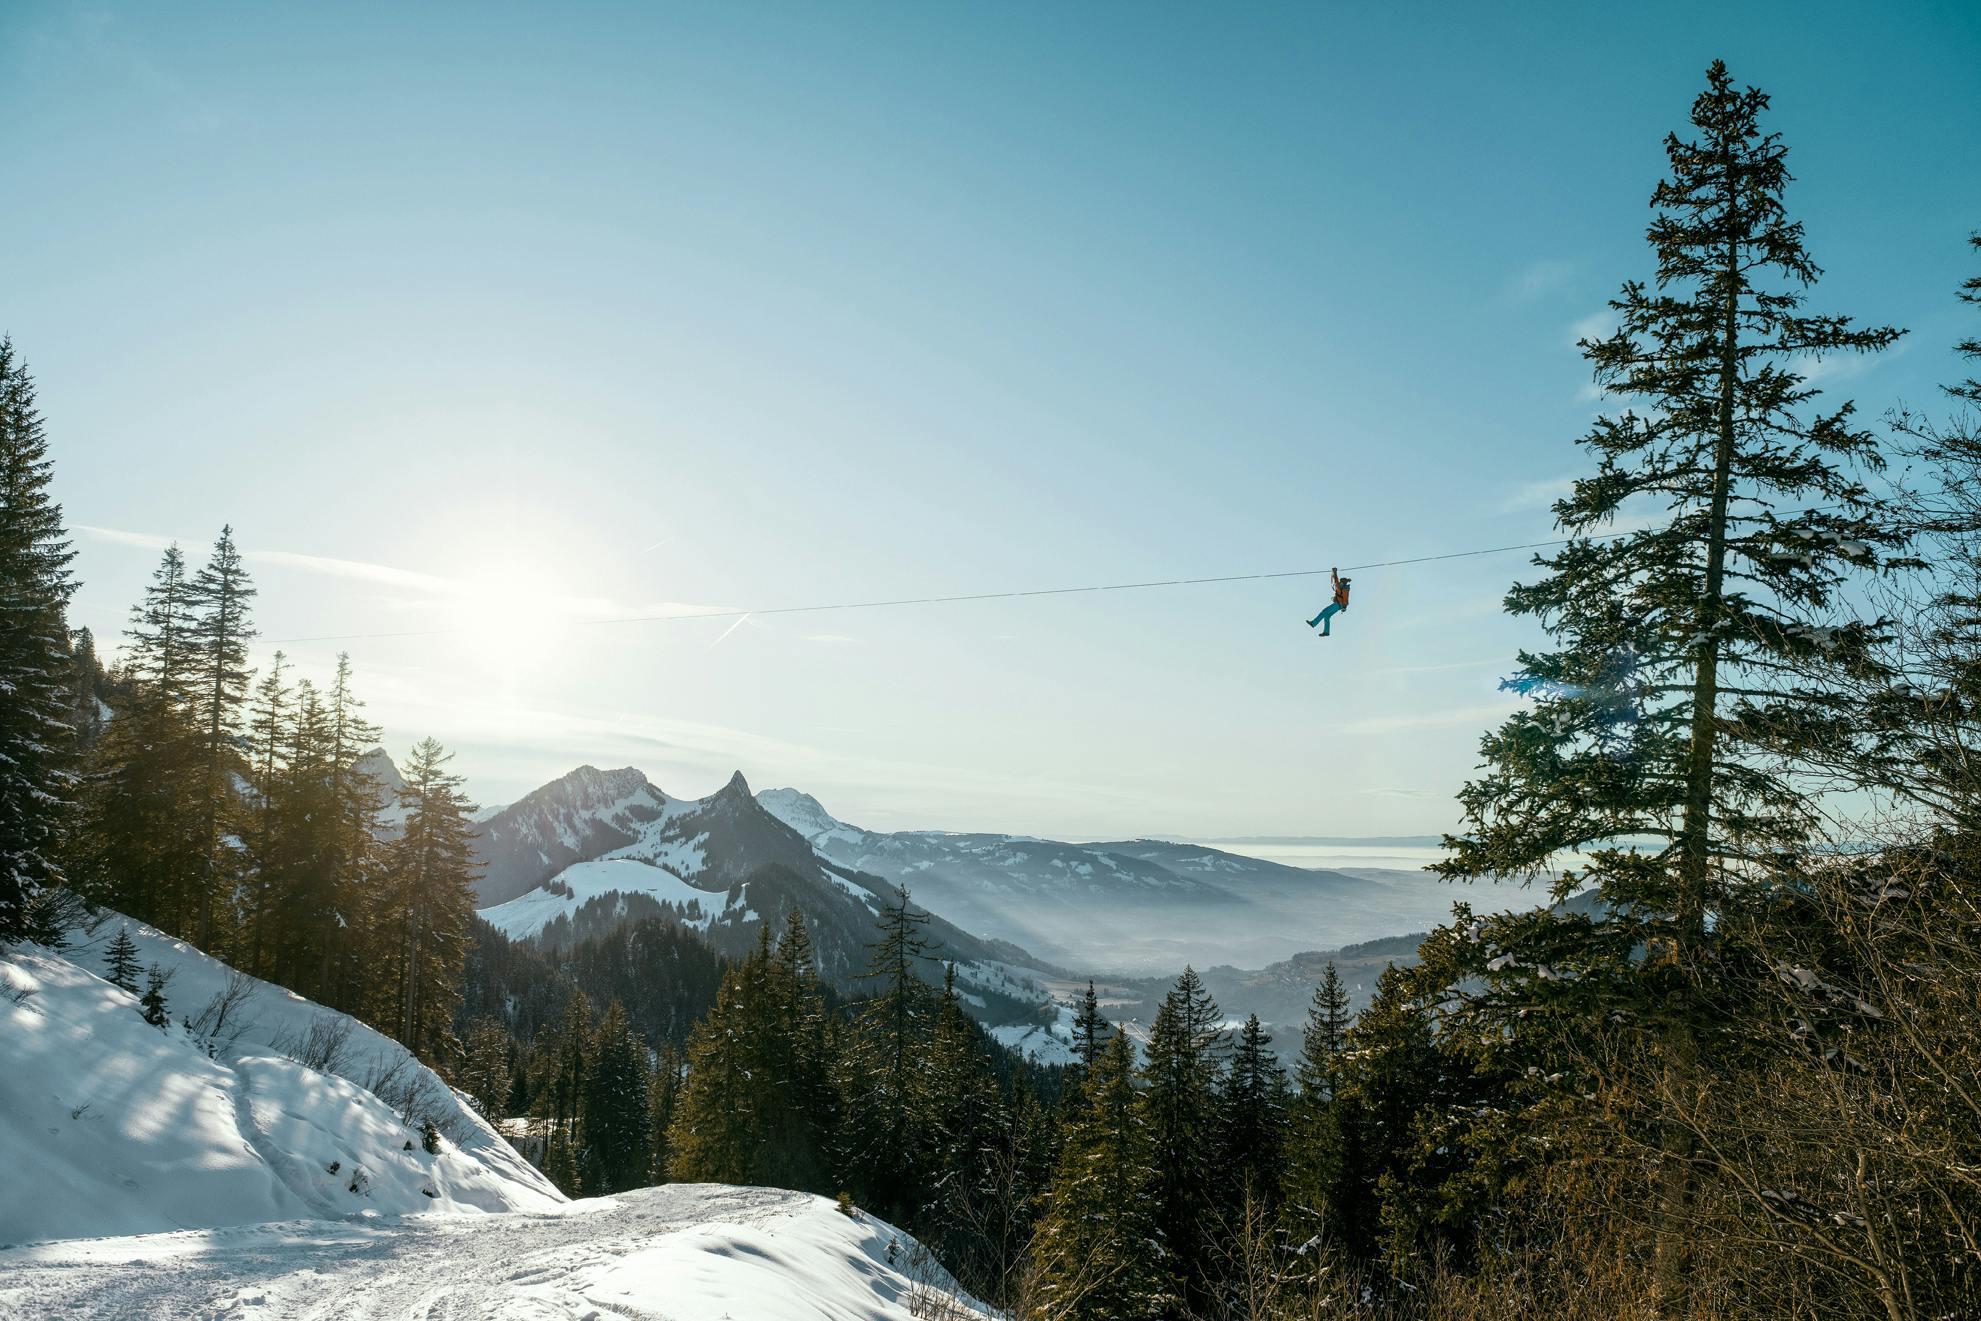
x,y
686,1252
111,1126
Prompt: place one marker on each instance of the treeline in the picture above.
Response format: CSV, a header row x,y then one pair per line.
x,y
236,811
244,813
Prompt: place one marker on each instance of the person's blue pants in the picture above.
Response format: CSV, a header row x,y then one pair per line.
x,y
1325,620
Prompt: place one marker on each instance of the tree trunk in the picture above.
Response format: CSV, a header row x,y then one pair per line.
x,y
1674,1258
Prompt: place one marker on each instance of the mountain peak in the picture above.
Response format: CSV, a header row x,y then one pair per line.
x,y
738,787
804,814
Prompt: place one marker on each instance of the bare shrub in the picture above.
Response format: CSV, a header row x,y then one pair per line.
x,y
322,1046
932,1294
414,1094
225,1020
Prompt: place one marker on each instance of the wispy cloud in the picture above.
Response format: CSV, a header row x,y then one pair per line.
x,y
360,570
1462,716
1538,279
1483,663
1597,325
118,536
426,587
1536,494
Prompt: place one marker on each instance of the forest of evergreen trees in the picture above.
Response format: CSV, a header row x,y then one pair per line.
x,y
1742,1080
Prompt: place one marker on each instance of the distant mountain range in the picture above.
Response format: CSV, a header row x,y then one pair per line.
x,y
595,848
1138,907
1021,917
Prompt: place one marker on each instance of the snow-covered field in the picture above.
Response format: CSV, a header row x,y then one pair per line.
x,y
109,1125
684,1252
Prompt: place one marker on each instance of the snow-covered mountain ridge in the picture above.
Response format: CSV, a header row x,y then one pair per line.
x,y
606,846
109,1125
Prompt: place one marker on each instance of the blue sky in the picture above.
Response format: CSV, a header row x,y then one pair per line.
x,y
505,318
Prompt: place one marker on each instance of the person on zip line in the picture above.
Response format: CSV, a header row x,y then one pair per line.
x,y
1325,620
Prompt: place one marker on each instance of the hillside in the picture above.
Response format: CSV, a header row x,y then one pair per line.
x,y
122,1128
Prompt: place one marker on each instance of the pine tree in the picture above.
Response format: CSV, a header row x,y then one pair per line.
x,y
87,684
1324,1037
1315,1148
152,1003
616,1140
429,902
568,1057
1180,1104
139,847
883,1131
349,836
1699,660
663,1096
1100,1252
963,1113
719,1125
36,736
268,723
1255,1119
797,1063
120,961
1090,1029
484,1073
308,903
219,600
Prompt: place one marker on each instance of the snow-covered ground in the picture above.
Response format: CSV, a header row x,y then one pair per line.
x,y
109,1125
684,1252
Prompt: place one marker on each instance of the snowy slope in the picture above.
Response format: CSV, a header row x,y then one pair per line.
x,y
684,1252
582,882
111,1126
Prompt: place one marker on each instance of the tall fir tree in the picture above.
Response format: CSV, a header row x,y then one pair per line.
x,y
882,1138
801,1110
963,1113
663,1097
36,733
1100,1253
139,846
616,1141
220,600
1324,1037
1697,661
1180,1081
1254,1103
268,723
721,1125
428,903
1315,1151
1090,1028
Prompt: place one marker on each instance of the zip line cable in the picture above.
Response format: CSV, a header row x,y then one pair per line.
x,y
968,596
